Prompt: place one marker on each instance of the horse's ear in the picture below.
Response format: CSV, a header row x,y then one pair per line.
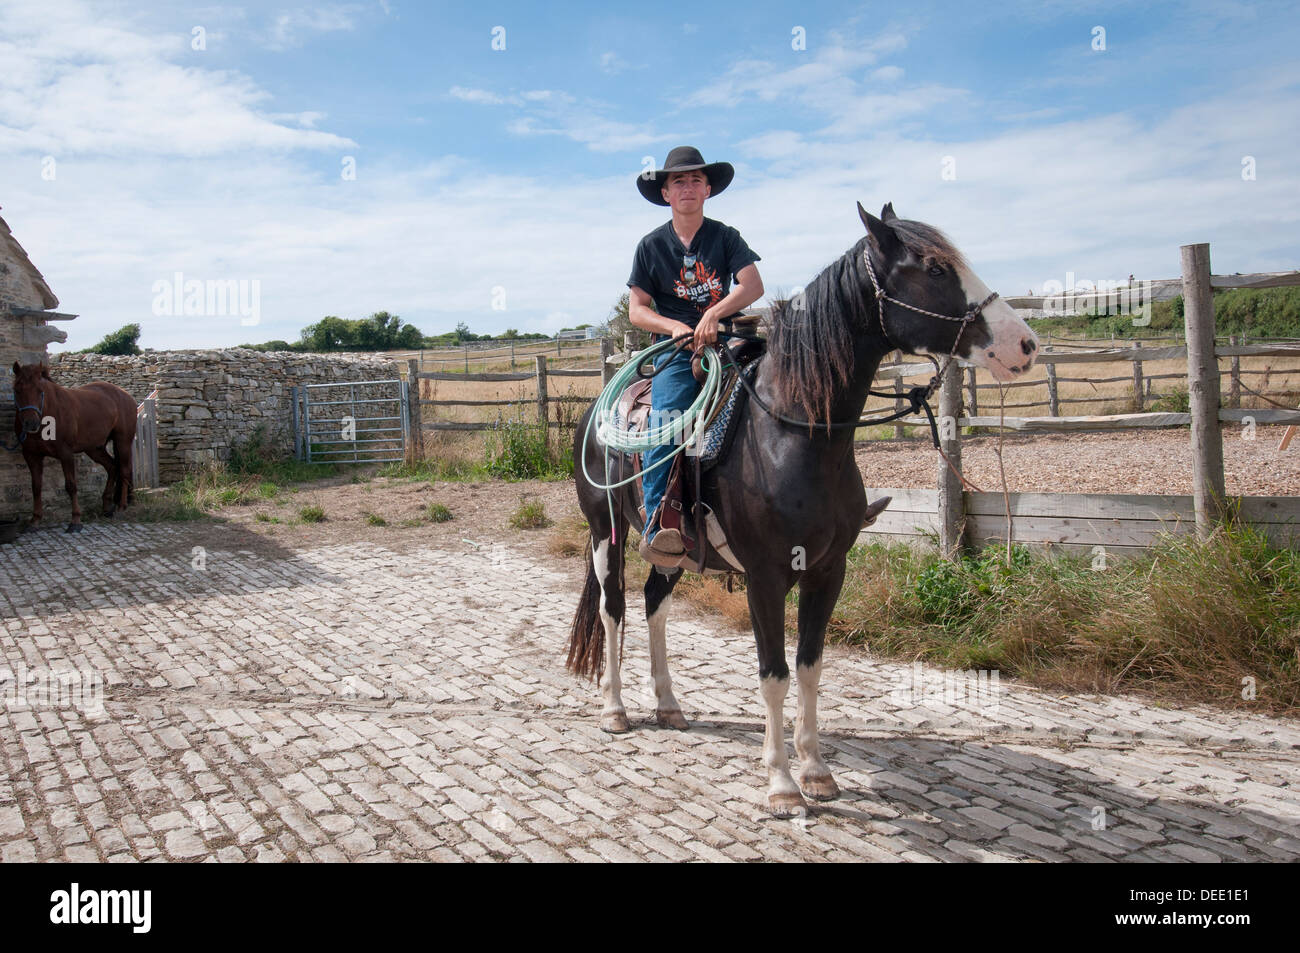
x,y
881,236
887,213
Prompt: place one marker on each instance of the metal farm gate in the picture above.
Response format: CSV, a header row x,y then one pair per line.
x,y
332,425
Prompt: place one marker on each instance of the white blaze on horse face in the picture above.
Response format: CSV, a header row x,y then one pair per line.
x,y
1013,347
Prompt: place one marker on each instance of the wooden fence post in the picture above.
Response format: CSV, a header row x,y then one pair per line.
x,y
1137,375
974,403
1203,389
952,516
607,371
899,405
1053,402
512,355
1234,392
413,410
630,342
541,398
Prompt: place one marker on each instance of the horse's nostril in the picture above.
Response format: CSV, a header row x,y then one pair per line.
x,y
1027,345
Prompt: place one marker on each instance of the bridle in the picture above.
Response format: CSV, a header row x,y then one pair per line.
x,y
917,397
971,314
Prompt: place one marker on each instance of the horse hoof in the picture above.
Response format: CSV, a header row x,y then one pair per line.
x,y
787,805
672,719
73,528
615,723
821,788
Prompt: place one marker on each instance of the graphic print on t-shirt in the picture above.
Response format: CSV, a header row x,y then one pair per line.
x,y
697,284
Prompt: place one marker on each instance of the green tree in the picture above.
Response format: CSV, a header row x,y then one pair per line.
x,y
618,322
125,340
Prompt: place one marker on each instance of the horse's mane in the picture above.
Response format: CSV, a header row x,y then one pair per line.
x,y
811,340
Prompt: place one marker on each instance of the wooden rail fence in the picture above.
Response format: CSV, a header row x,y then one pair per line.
x,y
1118,523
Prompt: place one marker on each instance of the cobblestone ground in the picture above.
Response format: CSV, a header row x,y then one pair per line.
x,y
353,702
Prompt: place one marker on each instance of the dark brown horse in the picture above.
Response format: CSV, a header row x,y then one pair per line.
x,y
59,422
789,494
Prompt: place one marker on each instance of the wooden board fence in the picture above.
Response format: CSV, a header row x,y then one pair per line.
x,y
542,401
1124,524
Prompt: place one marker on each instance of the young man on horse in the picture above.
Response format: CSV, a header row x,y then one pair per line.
x,y
684,268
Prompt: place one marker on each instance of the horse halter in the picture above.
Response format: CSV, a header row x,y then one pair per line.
x,y
22,430
971,314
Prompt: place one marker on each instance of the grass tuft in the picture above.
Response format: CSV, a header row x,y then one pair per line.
x,y
1189,620
531,514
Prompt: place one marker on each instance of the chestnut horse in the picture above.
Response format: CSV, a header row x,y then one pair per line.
x,y
61,422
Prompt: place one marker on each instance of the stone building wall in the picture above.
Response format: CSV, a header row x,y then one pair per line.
x,y
208,402
24,333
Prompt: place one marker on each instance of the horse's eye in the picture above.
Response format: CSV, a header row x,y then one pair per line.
x,y
936,270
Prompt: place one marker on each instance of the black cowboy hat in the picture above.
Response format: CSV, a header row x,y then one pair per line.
x,y
684,159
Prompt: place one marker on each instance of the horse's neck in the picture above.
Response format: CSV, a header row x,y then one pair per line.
x,y
848,401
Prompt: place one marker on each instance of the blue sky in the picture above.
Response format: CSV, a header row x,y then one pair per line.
x,y
505,176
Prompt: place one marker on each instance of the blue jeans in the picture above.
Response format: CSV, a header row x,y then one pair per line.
x,y
673,388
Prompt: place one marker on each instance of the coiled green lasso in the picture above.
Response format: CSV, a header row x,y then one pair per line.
x,y
684,430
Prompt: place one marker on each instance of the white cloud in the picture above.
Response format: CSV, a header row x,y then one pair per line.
x,y
480,97
74,85
288,30
611,63
818,77
1102,196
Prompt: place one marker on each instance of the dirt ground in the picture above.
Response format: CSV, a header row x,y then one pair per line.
x,y
1157,462
480,513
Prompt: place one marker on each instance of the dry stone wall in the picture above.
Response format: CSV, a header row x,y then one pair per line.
x,y
208,403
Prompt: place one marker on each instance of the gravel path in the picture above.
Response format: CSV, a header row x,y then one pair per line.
x,y
1151,462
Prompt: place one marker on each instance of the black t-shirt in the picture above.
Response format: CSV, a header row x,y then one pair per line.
x,y
685,282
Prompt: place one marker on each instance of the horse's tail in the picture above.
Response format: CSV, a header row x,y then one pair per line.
x,y
587,637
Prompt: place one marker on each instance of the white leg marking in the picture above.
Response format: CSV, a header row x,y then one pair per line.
x,y
658,622
611,687
782,793
814,776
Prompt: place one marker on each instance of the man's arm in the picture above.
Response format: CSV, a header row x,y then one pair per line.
x,y
646,318
748,289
